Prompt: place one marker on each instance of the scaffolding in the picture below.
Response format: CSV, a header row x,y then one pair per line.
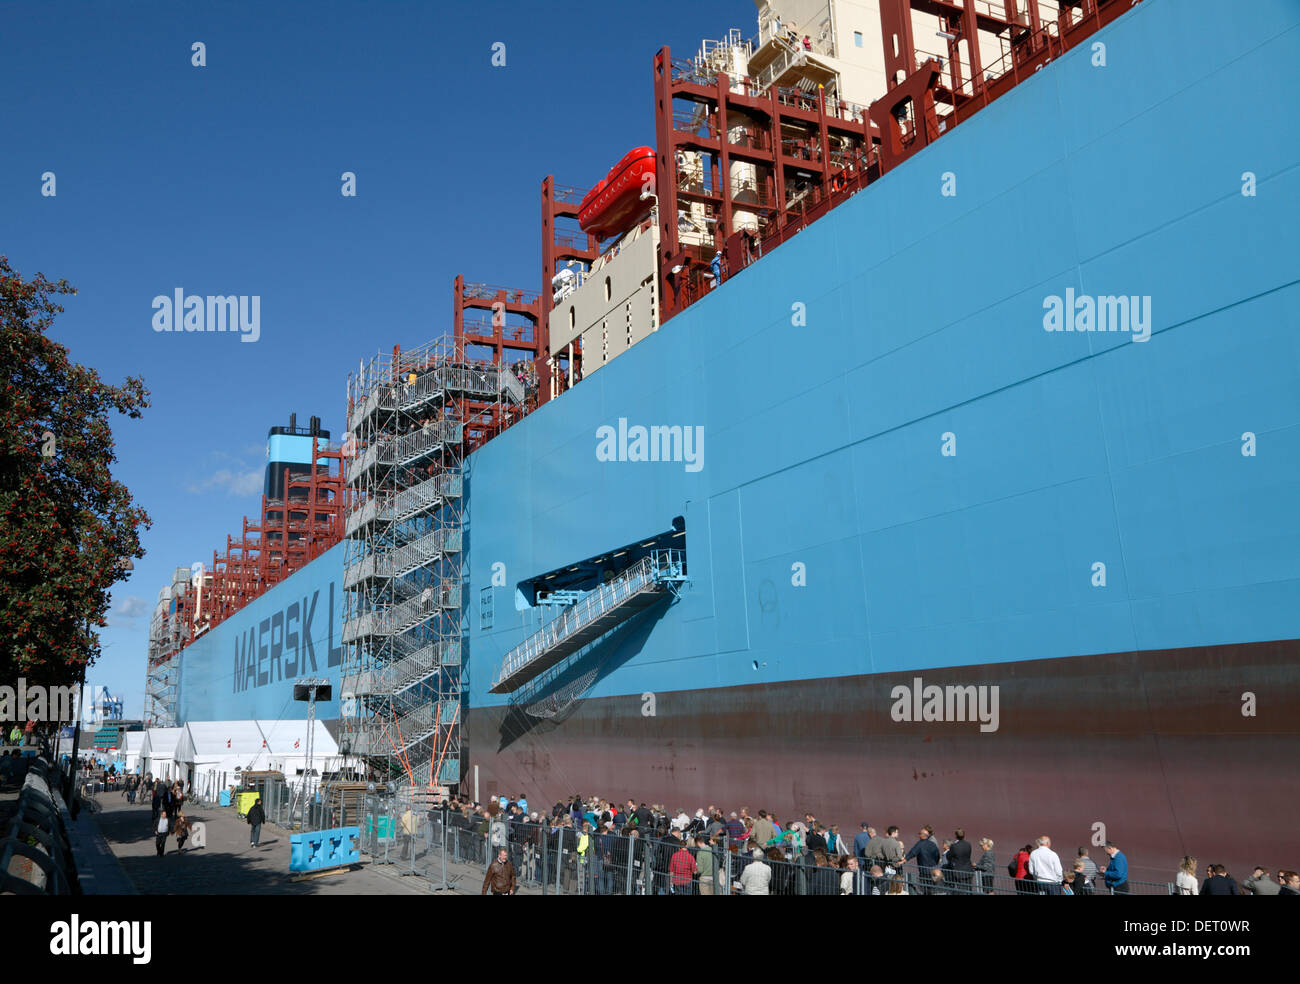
x,y
170,631
412,416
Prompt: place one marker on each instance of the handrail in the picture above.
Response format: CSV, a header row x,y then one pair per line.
x,y
643,574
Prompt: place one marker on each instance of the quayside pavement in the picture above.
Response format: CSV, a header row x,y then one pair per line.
x,y
228,866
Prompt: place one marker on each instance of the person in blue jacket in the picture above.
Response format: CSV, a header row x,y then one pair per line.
x,y
1117,871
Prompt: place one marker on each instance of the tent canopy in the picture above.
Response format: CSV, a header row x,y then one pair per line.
x,y
160,743
133,741
205,742
289,739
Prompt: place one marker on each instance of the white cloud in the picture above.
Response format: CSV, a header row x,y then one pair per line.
x,y
132,606
235,482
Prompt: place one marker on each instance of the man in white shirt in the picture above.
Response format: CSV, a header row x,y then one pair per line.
x,y
1045,867
756,877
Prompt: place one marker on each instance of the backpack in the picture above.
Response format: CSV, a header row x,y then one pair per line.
x,y
1013,866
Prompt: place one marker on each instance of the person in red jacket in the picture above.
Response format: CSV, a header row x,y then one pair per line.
x,y
1024,884
682,869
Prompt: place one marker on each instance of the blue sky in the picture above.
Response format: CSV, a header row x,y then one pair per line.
x,y
225,179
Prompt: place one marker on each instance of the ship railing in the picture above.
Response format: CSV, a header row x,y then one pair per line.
x,y
685,71
747,137
650,573
798,98
695,122
568,193
491,292
568,239
801,149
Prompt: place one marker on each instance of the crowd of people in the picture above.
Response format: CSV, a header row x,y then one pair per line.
x,y
616,847
167,814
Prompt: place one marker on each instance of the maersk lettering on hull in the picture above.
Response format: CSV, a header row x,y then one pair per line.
x,y
259,653
245,667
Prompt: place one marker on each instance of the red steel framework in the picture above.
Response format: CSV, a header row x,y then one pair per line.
x,y
293,531
502,326
810,153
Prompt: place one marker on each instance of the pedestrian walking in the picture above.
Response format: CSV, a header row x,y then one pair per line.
x,y
256,817
160,829
181,830
500,875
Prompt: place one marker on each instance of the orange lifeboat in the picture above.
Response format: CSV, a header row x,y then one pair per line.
x,y
615,204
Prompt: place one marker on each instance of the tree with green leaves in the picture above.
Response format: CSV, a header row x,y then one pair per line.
x,y
67,528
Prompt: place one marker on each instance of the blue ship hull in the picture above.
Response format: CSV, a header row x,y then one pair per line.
x,y
836,551
906,481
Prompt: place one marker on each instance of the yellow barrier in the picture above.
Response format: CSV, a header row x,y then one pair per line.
x,y
244,801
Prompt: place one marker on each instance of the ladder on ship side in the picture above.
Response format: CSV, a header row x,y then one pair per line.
x,y
596,613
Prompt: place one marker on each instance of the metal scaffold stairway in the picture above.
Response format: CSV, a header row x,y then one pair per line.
x,y
596,613
403,569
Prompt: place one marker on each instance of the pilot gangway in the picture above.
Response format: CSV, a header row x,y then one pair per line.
x,y
633,591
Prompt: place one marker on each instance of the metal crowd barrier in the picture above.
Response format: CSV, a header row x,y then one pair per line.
x,y
437,846
35,856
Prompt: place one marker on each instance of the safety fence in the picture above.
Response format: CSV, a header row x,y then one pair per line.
x,y
439,846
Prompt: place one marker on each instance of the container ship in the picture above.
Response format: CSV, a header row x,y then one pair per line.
x,y
909,435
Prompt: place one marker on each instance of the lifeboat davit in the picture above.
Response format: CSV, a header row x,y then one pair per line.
x,y
615,205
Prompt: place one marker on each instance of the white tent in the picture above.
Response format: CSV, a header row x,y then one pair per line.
x,y
287,741
132,746
213,753
158,752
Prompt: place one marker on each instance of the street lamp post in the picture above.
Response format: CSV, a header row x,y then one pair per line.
x,y
125,565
